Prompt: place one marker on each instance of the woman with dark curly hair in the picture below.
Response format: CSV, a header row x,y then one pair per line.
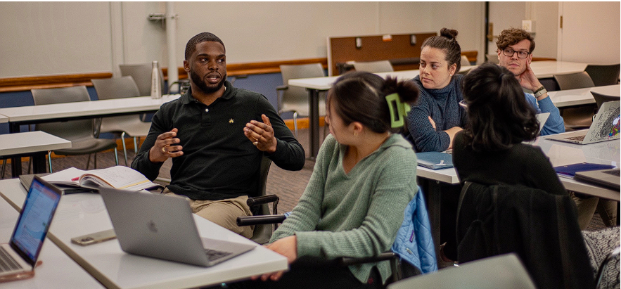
x,y
491,149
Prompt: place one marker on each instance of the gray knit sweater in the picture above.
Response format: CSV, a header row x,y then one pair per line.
x,y
356,214
443,107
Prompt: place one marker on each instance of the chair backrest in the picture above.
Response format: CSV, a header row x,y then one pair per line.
x,y
120,87
503,271
296,98
263,233
603,74
573,80
601,98
374,66
492,57
142,76
465,61
70,129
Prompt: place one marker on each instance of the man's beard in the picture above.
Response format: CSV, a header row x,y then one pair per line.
x,y
201,85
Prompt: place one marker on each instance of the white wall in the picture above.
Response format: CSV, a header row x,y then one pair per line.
x,y
590,32
45,38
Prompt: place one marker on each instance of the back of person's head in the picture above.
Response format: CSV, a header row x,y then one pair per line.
x,y
512,36
498,113
360,96
446,41
190,47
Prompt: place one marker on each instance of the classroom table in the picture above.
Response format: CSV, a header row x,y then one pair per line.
x,y
542,69
559,153
80,214
33,114
580,96
35,144
57,269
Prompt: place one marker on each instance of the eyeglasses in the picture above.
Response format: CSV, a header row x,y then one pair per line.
x,y
509,52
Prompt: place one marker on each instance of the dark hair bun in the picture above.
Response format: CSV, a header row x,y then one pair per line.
x,y
448,33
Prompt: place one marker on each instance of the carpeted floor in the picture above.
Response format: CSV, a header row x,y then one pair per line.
x,y
288,185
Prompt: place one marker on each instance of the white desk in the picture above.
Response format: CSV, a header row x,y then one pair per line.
x,y
35,144
580,96
33,114
547,69
57,270
81,214
559,153
316,84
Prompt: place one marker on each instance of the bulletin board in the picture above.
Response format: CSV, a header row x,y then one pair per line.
x,y
402,50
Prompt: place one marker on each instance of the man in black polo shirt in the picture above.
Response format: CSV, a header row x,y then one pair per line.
x,y
216,135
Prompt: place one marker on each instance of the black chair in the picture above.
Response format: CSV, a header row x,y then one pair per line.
x,y
603,74
79,132
601,98
579,117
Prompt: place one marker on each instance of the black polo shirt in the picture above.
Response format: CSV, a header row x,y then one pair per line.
x,y
218,161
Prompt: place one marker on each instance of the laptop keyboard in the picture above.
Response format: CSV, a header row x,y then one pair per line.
x,y
7,263
580,138
613,172
213,255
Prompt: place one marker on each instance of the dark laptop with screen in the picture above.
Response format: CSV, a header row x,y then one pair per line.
x,y
20,255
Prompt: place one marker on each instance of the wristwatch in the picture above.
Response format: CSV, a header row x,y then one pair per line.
x,y
540,91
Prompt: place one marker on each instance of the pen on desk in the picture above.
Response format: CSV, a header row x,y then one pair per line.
x,y
75,179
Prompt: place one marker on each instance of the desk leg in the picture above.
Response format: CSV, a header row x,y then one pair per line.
x,y
313,103
16,162
38,163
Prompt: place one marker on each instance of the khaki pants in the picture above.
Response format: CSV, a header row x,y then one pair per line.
x,y
587,206
223,212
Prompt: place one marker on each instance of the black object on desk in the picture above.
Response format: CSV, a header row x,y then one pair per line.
x,y
66,187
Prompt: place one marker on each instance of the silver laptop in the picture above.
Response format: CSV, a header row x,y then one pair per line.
x,y
162,227
21,253
605,127
608,178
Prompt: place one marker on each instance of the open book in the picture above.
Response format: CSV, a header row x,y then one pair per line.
x,y
118,177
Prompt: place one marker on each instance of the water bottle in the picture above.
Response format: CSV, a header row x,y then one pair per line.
x,y
156,81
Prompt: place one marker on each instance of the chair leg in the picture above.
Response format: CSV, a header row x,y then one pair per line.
x,y
116,157
29,165
94,161
88,161
295,123
124,148
136,141
49,160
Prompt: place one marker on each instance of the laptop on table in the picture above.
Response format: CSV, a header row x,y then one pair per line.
x,y
19,257
163,227
608,178
605,127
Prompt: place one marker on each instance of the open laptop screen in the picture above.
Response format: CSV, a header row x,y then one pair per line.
x,y
34,221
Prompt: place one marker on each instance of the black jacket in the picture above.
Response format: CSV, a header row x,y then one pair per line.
x,y
541,228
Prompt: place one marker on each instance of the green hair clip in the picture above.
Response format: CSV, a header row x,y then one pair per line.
x,y
398,110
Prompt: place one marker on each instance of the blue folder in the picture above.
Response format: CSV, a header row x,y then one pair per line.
x,y
571,170
435,160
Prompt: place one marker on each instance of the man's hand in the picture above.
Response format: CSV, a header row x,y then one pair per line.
x,y
165,147
287,247
528,79
261,134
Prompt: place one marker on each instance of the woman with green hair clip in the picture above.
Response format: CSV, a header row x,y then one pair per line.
x,y
354,203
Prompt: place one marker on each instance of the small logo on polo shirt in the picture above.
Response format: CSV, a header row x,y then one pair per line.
x,y
231,120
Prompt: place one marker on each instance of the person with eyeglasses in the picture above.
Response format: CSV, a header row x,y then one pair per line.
x,y
515,48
